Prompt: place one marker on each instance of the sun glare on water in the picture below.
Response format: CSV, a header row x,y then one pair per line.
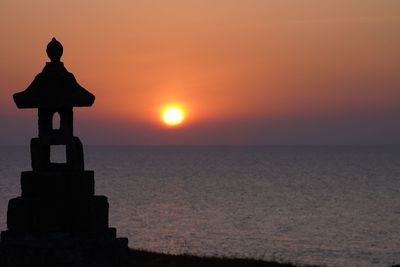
x,y
173,116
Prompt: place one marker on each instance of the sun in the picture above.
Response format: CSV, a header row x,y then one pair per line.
x,y
173,116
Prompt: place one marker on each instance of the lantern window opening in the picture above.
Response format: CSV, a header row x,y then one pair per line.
x,y
56,121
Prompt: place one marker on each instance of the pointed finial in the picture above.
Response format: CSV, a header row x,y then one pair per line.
x,y
54,50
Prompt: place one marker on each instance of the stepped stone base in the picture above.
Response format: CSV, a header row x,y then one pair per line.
x,y
63,249
58,214
51,183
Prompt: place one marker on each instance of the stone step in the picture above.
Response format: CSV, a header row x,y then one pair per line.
x,y
64,250
58,214
57,238
42,184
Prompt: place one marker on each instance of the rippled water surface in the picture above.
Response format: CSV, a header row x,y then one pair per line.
x,y
338,206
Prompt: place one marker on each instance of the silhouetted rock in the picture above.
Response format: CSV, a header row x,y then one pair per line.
x,y
58,221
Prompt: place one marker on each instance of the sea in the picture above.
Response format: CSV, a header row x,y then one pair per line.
x,y
325,205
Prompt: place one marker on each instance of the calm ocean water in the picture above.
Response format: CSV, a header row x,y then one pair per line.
x,y
332,205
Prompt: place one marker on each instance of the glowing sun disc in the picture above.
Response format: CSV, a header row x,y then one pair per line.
x,y
172,116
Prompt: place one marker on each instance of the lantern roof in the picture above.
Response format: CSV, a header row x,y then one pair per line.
x,y
54,87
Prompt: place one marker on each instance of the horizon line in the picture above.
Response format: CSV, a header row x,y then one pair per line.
x,y
221,145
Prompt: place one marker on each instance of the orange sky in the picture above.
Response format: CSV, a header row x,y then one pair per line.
x,y
247,72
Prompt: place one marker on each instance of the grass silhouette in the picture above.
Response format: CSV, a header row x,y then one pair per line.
x,y
141,258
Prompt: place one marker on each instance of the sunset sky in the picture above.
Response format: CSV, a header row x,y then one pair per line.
x,y
244,71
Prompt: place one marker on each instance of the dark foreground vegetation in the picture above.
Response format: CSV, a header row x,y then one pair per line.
x,y
140,258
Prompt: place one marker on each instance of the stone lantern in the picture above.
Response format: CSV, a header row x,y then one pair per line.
x,y
58,220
